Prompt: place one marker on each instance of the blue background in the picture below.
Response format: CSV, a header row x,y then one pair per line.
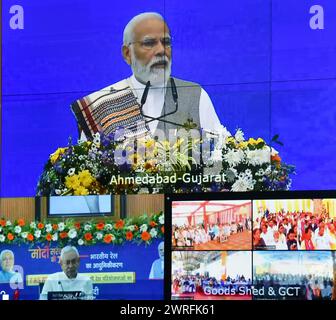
x,y
129,254
264,68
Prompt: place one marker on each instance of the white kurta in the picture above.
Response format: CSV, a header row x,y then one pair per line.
x,y
155,101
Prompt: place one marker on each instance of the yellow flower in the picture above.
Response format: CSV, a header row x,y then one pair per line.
x,y
178,143
166,145
72,182
81,191
260,140
54,156
252,141
150,143
85,178
243,145
232,141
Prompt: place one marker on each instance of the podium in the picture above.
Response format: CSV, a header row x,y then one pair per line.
x,y
66,295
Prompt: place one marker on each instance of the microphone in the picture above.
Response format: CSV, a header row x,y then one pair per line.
x,y
60,283
174,90
161,118
145,94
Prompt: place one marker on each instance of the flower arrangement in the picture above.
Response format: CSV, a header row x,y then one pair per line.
x,y
251,164
106,165
138,230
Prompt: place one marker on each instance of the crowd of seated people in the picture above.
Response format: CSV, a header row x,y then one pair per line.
x,y
312,287
189,236
294,231
189,284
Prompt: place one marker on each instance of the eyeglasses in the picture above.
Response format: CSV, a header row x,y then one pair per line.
x,y
73,261
150,43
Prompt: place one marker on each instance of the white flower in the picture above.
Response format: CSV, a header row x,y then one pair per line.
x,y
48,227
108,226
32,225
234,157
24,235
239,136
99,236
0,229
71,171
161,219
58,191
244,183
80,242
153,233
96,140
61,226
17,229
2,238
54,237
248,172
96,135
143,228
72,233
260,172
37,234
130,228
8,223
87,227
258,157
224,133
268,170
94,148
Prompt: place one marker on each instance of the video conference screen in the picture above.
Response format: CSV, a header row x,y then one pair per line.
x,y
107,108
260,248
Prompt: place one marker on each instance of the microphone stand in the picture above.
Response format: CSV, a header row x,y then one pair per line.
x,y
161,118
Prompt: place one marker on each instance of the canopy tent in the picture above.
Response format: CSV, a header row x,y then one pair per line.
x,y
218,264
315,206
293,262
210,212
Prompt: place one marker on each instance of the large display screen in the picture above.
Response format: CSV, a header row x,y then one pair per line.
x,y
268,68
225,109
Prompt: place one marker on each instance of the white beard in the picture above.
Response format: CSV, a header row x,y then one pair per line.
x,y
144,73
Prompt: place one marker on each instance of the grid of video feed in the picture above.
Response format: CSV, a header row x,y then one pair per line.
x,y
253,249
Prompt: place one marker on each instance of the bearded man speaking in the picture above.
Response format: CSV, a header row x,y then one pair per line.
x,y
150,101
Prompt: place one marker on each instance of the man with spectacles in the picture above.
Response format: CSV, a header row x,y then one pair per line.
x,y
7,274
147,49
69,279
